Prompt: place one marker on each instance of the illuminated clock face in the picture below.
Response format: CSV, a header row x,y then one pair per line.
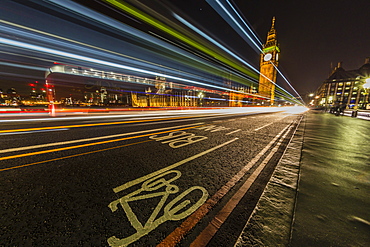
x,y
267,57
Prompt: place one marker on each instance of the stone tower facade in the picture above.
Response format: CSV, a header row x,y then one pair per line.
x,y
269,62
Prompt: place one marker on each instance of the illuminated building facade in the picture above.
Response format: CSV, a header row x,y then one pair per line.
x,y
268,64
345,87
73,85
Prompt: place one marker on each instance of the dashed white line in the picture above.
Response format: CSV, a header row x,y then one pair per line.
x,y
232,132
263,126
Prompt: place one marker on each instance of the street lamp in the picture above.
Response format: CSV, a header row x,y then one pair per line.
x,y
311,101
366,86
367,83
200,96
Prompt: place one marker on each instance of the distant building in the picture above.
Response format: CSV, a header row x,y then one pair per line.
x,y
345,87
269,61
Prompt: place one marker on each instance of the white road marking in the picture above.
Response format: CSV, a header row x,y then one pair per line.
x,y
151,183
232,132
192,220
212,128
142,179
90,139
263,126
174,210
205,236
269,124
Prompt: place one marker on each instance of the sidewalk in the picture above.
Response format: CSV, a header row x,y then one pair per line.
x,y
319,194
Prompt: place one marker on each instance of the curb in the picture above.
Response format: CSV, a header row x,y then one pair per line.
x,y
271,221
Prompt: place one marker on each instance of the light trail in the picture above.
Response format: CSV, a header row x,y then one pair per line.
x,y
104,53
146,18
22,66
169,30
195,74
286,80
102,62
234,23
101,52
234,55
215,42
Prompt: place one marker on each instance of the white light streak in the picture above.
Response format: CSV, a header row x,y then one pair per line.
x,y
101,62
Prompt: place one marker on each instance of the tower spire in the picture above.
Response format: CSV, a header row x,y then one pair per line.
x,y
268,65
271,35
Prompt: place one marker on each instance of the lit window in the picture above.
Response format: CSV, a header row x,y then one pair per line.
x,y
348,83
340,84
339,88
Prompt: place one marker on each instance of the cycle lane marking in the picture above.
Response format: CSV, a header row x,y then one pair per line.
x,y
149,184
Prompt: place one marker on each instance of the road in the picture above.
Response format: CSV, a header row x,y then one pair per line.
x,y
186,178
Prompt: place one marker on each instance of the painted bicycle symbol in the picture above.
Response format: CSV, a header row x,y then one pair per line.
x,y
157,186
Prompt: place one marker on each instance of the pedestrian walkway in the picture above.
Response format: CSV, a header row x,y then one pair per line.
x,y
319,194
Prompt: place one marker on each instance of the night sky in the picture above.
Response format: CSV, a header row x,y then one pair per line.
x,y
313,35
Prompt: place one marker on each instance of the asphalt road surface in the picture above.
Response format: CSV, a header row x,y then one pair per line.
x,y
189,178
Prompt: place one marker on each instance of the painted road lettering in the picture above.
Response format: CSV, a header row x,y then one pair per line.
x,y
178,139
212,128
158,186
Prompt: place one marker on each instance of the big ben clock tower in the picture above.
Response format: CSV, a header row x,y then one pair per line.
x,y
268,63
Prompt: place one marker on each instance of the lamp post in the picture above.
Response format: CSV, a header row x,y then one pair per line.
x,y
310,97
366,86
200,97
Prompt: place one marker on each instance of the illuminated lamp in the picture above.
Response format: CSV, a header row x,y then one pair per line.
x,y
367,83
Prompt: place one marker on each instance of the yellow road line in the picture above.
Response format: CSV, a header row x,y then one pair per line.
x,y
71,156
90,144
89,125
